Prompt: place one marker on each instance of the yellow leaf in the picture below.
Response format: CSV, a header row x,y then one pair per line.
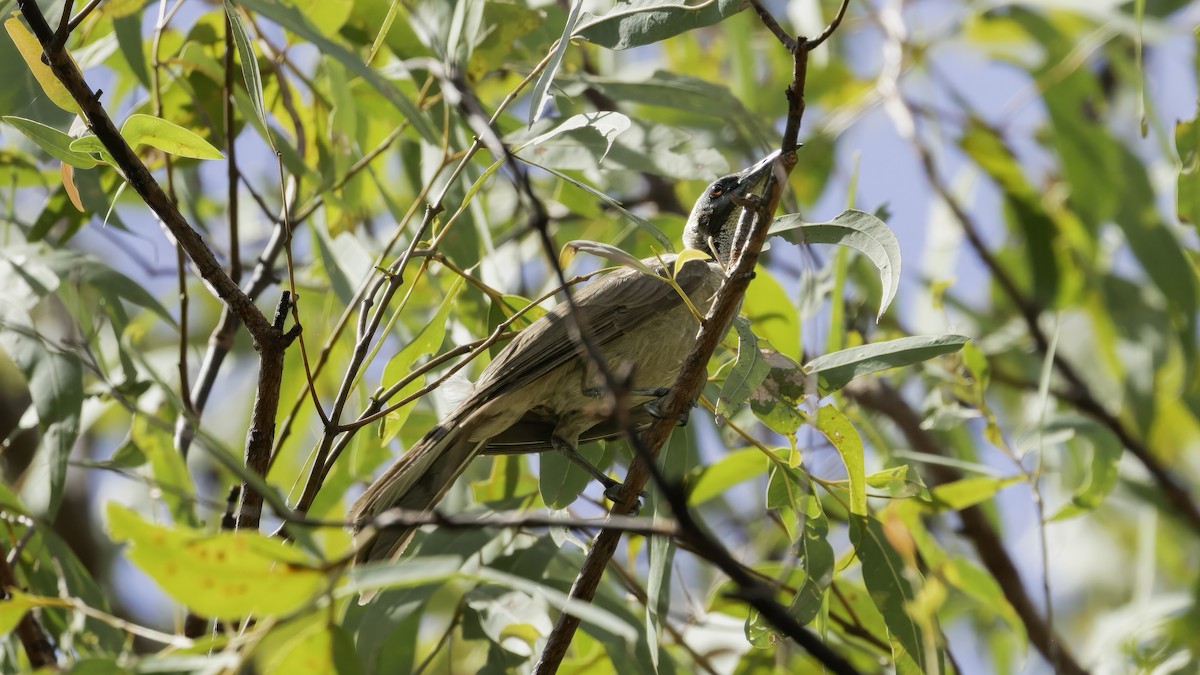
x,y
68,179
225,575
31,51
12,609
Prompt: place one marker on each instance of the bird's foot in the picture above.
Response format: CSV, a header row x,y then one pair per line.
x,y
655,409
612,486
613,494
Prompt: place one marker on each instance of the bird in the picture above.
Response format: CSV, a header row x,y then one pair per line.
x,y
539,393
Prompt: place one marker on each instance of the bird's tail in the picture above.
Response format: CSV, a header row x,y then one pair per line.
x,y
417,481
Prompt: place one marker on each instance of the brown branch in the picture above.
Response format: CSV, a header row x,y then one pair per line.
x,y
879,397
833,26
138,176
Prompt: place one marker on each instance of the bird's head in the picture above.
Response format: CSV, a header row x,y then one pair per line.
x,y
713,220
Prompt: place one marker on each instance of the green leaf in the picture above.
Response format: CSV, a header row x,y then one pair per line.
x,y
735,467
776,402
170,471
245,49
55,381
383,576
228,575
596,131
836,370
1187,188
54,142
885,576
541,88
817,560
293,20
858,230
13,608
1102,473
642,223
642,22
90,143
836,427
424,343
747,373
644,146
585,611
968,492
139,130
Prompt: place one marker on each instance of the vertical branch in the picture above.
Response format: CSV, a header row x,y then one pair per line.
x,y
231,185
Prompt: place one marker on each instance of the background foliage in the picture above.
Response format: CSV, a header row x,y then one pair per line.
x,y
1023,502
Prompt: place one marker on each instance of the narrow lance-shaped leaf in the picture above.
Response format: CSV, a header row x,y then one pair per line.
x,y
836,370
644,22
541,88
858,230
171,138
31,52
747,373
54,142
884,574
836,427
250,73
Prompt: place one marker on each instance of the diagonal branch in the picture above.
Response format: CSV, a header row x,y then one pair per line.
x,y
138,176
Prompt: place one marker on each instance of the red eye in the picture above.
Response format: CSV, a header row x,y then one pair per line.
x,y
717,192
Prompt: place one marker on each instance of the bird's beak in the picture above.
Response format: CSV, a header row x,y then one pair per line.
x,y
753,179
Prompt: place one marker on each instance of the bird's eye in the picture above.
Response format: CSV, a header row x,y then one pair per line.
x,y
717,191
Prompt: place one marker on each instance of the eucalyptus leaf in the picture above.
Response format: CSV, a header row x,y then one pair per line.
x,y
858,230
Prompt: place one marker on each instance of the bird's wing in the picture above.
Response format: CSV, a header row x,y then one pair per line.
x,y
609,307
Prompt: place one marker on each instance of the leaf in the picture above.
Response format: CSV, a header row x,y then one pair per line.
x,y
644,146
423,344
585,611
14,607
541,88
836,370
67,172
173,139
602,250
884,574
55,381
777,400
227,575
31,52
967,492
747,373
170,472
642,22
388,575
642,223
1187,188
858,230
787,488
836,427
250,73
712,481
54,142
90,143
606,124
294,21
817,560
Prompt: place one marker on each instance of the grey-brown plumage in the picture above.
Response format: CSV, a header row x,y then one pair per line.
x,y
538,393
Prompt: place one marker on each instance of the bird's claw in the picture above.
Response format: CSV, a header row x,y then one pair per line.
x,y
654,408
612,493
